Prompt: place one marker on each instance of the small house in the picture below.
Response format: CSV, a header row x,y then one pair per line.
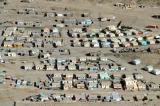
x,y
91,58
138,76
71,67
68,76
45,55
153,87
136,61
111,35
141,86
2,76
104,76
130,84
129,39
67,86
50,14
81,76
92,98
11,54
82,59
61,67
151,42
93,68
82,67
117,85
86,22
139,38
92,85
148,68
142,43
134,43
28,66
80,86
8,44
93,75
105,44
39,66
114,45
126,44
149,37
49,68
86,44
101,35
115,96
156,71
105,84
56,85
17,44
104,59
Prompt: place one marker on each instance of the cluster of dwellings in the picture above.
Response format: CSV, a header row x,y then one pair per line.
x,y
84,97
89,81
14,37
93,81
114,96
127,4
97,81
12,53
112,36
60,17
82,63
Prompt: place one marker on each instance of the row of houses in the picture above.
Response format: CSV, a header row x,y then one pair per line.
x,y
86,63
90,81
115,42
84,97
10,32
112,36
114,96
110,31
59,13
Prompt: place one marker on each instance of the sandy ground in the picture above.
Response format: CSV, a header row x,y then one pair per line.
x,y
135,17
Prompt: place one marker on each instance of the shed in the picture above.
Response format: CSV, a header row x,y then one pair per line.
x,y
114,45
49,68
61,67
82,59
126,44
148,68
143,43
115,96
86,22
134,43
39,66
141,85
151,42
104,59
136,61
156,71
104,76
71,67
28,66
138,76
80,86
106,84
